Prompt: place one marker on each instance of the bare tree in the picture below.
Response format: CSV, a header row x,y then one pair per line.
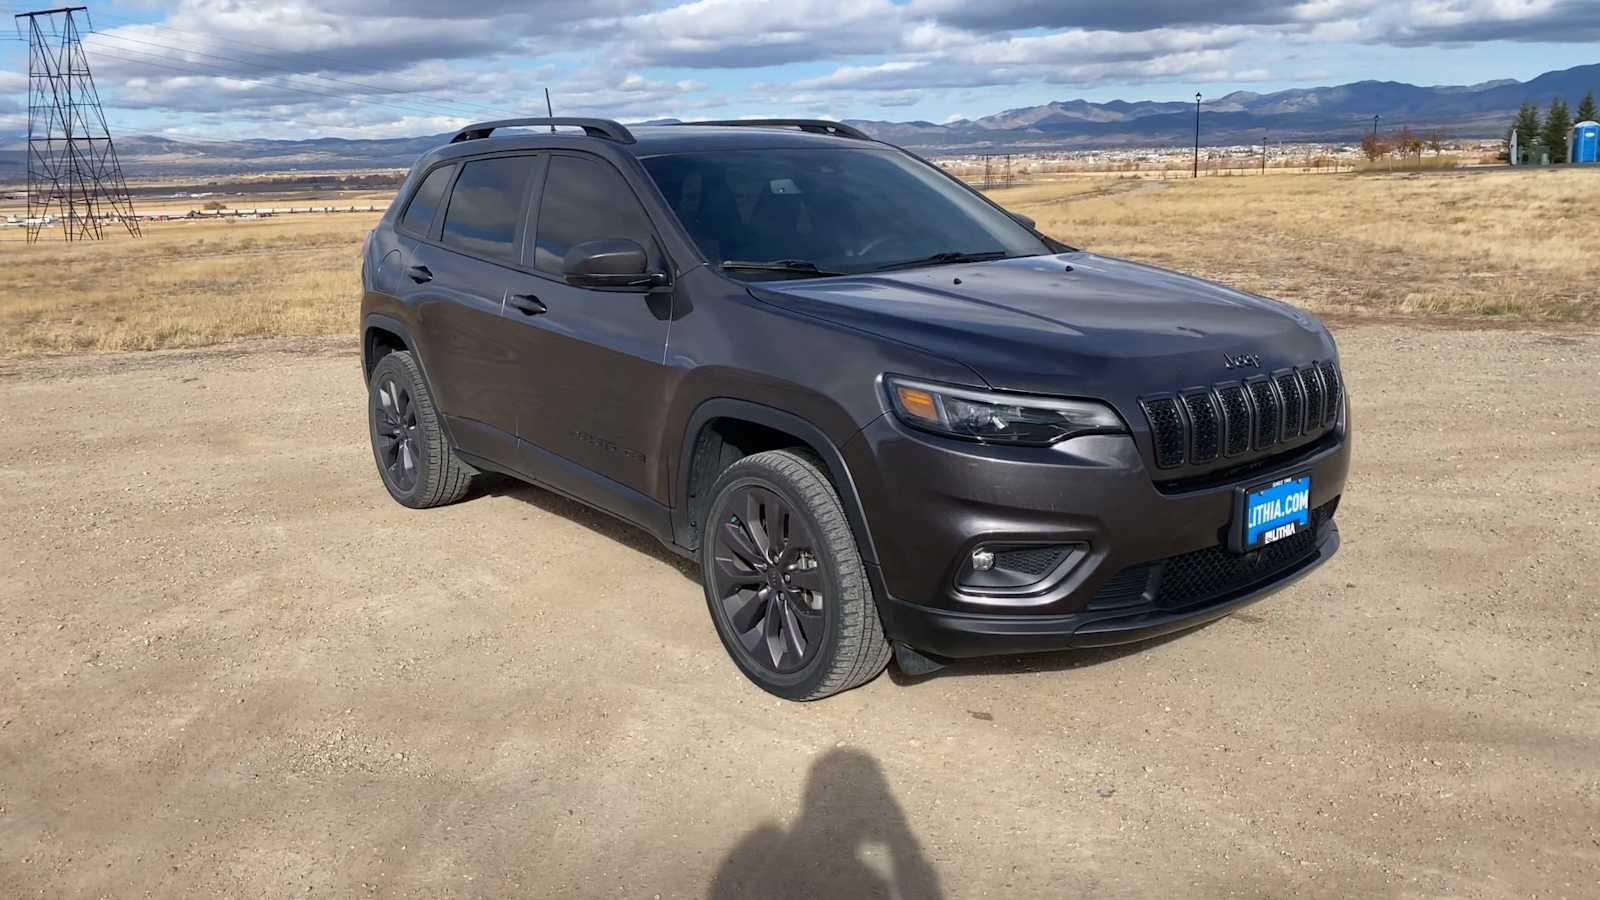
x,y
1436,139
1374,148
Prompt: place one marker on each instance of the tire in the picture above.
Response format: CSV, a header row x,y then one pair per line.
x,y
409,445
793,607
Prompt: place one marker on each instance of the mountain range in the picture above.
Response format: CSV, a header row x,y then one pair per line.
x,y
1337,114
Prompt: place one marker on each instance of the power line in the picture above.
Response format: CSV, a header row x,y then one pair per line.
x,y
277,52
451,105
222,73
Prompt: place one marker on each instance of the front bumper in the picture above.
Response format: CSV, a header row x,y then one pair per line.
x,y
930,501
956,635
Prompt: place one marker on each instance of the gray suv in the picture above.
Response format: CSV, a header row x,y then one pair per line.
x,y
886,416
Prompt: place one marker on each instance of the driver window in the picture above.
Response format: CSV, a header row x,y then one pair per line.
x,y
586,200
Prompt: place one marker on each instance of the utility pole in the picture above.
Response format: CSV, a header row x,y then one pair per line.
x,y
1263,154
1375,126
73,169
1197,134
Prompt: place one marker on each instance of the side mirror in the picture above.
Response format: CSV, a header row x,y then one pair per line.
x,y
615,264
1022,220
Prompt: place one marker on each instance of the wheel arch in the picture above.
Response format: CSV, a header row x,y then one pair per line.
x,y
382,335
703,458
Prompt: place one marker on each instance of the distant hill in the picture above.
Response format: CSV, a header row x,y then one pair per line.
x,y
1323,114
1340,113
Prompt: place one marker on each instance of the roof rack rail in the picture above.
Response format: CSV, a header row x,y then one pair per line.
x,y
812,126
596,128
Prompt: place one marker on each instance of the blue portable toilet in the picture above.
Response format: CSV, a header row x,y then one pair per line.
x,y
1585,144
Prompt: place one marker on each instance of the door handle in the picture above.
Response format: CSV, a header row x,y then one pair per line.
x,y
420,274
527,304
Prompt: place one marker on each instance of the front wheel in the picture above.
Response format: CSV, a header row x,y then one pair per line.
x,y
784,580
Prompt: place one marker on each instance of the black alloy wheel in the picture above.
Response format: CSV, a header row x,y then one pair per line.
x,y
396,436
785,582
768,582
409,442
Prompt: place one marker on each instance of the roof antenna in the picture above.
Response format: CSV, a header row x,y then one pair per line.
x,y
549,110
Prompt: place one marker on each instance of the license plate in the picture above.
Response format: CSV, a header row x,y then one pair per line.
x,y
1272,512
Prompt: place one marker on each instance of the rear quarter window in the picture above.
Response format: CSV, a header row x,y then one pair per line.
x,y
418,217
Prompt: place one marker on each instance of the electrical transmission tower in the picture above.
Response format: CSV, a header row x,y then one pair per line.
x,y
73,172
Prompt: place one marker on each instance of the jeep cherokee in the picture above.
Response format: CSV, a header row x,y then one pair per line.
x,y
885,415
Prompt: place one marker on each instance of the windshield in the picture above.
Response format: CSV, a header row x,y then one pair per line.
x,y
830,211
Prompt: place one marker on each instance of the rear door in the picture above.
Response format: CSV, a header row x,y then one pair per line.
x,y
462,273
599,396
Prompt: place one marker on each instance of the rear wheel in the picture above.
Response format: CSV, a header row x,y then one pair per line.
x,y
784,581
408,442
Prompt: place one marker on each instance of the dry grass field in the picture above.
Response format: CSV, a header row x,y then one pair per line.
x,y
1497,244
1493,243
184,284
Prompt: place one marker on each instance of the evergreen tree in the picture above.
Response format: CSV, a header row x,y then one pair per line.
x,y
1528,132
1557,130
1586,110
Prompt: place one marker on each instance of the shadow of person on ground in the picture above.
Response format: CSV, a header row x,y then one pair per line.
x,y
851,839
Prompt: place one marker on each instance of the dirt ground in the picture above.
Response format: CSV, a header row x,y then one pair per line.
x,y
231,666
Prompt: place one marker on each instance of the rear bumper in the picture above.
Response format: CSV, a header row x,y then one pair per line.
x,y
957,635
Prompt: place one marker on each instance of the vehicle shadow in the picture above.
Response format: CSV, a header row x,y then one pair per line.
x,y
493,485
1031,663
850,839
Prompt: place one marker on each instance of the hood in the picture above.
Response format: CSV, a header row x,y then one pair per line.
x,y
1075,323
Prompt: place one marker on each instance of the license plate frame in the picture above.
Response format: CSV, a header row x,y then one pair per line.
x,y
1292,493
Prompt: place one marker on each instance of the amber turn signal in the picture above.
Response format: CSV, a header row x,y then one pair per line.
x,y
917,403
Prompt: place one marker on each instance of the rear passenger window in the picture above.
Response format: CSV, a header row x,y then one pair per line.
x,y
425,202
586,200
487,206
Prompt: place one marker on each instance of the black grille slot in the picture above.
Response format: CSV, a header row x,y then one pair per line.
x,y
1236,416
1206,575
1268,415
1126,588
1205,428
1316,403
1293,404
1166,427
1034,561
1330,377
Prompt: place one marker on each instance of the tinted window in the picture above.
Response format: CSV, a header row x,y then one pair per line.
x,y
585,200
419,215
487,205
846,210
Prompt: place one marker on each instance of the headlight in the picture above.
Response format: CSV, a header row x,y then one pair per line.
x,y
998,418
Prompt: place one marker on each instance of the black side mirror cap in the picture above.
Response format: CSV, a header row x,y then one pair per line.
x,y
617,264
1023,220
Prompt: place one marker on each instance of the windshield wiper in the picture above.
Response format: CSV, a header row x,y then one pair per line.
x,y
794,266
951,256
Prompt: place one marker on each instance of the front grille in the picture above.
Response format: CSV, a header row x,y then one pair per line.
x,y
1234,418
1193,578
1209,575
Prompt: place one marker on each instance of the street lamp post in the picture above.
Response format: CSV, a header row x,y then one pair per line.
x,y
1375,125
1197,134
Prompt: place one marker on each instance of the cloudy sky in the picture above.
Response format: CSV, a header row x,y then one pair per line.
x,y
378,68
